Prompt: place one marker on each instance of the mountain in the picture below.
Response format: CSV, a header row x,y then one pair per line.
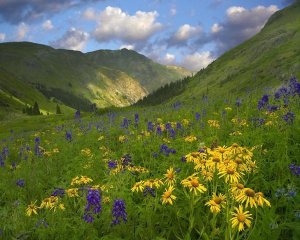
x,y
151,75
33,72
266,60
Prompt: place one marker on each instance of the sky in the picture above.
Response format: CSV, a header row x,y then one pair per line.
x,y
187,33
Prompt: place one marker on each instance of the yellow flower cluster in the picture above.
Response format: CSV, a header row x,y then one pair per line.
x,y
137,169
122,139
240,122
190,139
213,123
52,203
81,180
86,152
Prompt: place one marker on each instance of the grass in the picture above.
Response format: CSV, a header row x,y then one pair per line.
x,y
99,140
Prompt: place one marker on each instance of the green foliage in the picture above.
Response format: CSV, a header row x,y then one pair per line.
x,y
58,111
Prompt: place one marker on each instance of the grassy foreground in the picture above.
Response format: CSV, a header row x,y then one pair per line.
x,y
214,169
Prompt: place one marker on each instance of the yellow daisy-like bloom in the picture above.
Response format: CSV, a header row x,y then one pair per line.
x,y
228,109
230,173
235,133
237,188
55,150
61,206
240,218
122,139
170,176
100,138
216,203
185,122
137,169
49,203
31,208
138,187
106,200
193,184
259,197
81,180
190,139
207,175
72,192
213,123
235,149
86,152
248,196
167,197
153,183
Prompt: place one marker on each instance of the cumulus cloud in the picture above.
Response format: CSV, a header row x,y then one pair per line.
x,y
114,24
2,37
128,46
73,39
22,31
239,25
89,14
16,11
197,61
47,25
183,35
168,59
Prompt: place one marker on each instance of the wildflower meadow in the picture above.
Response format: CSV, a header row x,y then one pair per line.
x,y
204,168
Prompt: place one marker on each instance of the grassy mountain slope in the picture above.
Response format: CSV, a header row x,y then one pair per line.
x,y
266,60
32,72
151,75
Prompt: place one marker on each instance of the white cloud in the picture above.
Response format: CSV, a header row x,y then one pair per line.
x,y
114,24
89,14
216,28
2,37
128,46
185,32
47,25
22,31
168,59
234,10
197,61
73,39
239,25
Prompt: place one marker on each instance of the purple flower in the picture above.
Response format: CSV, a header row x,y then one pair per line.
x,y
166,150
150,127
20,182
149,190
136,119
58,192
197,116
125,123
238,102
112,164
119,212
289,117
172,133
272,108
178,125
93,205
37,140
69,136
295,169
183,159
158,130
126,160
77,114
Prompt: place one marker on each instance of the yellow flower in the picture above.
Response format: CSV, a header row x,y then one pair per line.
x,y
228,109
190,139
81,180
207,175
259,198
213,123
167,197
236,133
61,206
153,183
170,176
100,138
122,139
230,173
49,203
55,150
193,184
86,152
32,208
216,203
138,186
72,192
248,196
106,200
166,140
185,122
237,188
240,218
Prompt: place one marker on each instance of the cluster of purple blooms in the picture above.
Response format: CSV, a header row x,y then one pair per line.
x,y
93,205
69,136
112,164
126,160
288,193
125,123
295,170
58,192
3,156
119,212
150,191
20,182
166,150
37,150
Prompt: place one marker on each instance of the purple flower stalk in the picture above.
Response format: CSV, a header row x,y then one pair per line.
x,y
149,190
93,205
119,212
20,182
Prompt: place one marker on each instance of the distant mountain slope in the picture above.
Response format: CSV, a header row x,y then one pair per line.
x,y
151,75
266,60
74,79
